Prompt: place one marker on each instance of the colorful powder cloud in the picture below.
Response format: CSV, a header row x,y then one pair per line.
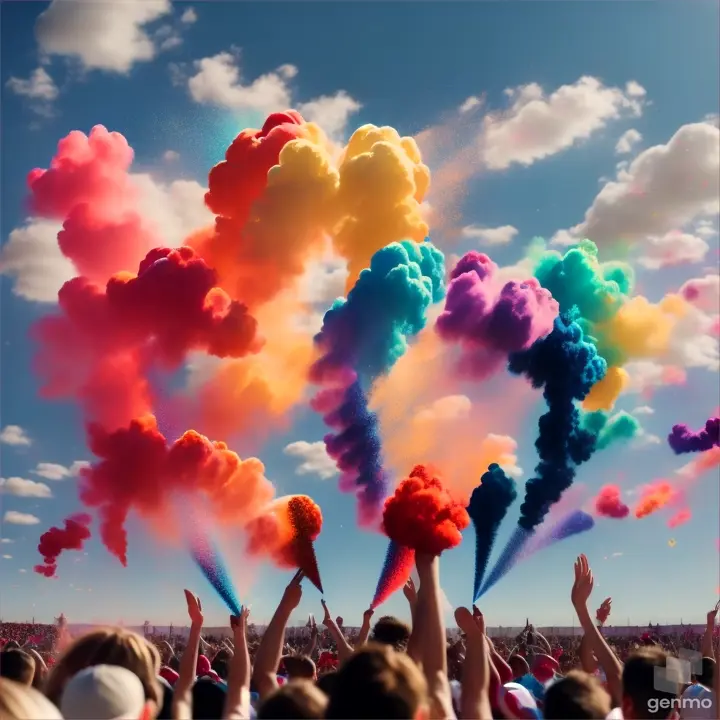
x,y
55,541
654,497
608,503
396,571
683,440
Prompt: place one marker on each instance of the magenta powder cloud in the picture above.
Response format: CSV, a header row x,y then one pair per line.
x,y
683,440
489,319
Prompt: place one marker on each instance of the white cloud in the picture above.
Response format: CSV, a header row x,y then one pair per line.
x,y
644,440
643,410
20,487
703,293
323,280
646,375
32,256
449,407
470,104
189,16
171,155
218,81
538,125
22,570
673,248
314,459
330,112
705,228
38,87
13,517
167,37
107,36
490,236
7,557
635,89
627,141
6,541
694,341
14,435
664,188
54,471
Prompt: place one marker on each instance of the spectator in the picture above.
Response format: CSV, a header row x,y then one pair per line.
x,y
296,700
19,702
18,666
578,696
641,697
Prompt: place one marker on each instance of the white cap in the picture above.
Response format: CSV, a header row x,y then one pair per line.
x,y
103,692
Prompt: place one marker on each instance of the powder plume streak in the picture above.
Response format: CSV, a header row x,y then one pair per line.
x,y
55,541
396,571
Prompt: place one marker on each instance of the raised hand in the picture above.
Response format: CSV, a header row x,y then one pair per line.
x,y
584,581
367,615
713,614
239,622
327,618
293,592
194,607
410,591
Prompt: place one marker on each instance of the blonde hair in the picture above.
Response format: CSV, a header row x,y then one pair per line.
x,y
19,702
108,646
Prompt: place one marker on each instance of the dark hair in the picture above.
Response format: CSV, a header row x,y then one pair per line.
x,y
640,683
220,664
707,676
327,682
578,696
208,699
390,631
165,710
295,700
17,665
299,667
377,683
174,663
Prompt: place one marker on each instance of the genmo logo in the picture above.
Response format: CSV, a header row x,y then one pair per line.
x,y
677,672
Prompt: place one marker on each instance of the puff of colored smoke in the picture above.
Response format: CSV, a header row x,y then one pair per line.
x,y
488,506
654,497
210,562
96,348
355,447
266,385
573,524
491,320
608,503
396,570
604,393
55,541
368,331
422,516
382,184
609,429
683,440
579,279
680,518
284,533
566,366
137,471
639,329
89,188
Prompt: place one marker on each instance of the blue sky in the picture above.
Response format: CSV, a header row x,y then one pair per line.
x,y
411,66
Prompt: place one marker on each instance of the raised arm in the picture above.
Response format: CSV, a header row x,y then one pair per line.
x,y
309,648
707,641
582,588
237,699
587,659
414,644
433,641
345,650
182,695
476,670
269,653
365,627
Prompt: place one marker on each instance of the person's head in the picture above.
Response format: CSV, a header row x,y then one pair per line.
x,y
519,666
707,676
326,682
390,631
165,710
11,645
295,700
20,702
208,698
105,692
18,666
377,682
566,663
299,667
576,697
107,646
648,690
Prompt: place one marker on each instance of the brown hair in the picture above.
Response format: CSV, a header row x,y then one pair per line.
x,y
18,702
299,667
108,646
390,631
296,700
377,682
578,696
639,684
18,666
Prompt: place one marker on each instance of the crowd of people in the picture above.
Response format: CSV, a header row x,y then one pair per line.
x,y
386,669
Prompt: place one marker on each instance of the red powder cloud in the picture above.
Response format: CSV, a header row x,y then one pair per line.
x,y
422,516
680,518
56,540
609,504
